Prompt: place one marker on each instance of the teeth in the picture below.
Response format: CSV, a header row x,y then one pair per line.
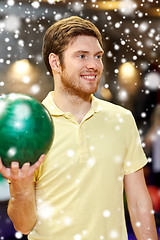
x,y
89,77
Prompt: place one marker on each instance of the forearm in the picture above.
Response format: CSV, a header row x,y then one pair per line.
x,y
22,204
143,221
22,210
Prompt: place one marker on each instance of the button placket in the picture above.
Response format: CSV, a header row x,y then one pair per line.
x,y
82,145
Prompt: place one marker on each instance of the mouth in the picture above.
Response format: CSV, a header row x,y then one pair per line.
x,y
89,77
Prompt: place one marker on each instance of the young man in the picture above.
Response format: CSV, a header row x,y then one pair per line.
x,y
75,192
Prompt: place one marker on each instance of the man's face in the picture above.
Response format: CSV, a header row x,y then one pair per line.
x,y
82,66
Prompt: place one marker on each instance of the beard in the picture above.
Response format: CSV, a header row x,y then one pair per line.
x,y
76,86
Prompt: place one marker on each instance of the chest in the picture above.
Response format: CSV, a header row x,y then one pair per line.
x,y
95,144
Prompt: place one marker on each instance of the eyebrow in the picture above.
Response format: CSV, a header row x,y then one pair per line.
x,y
83,51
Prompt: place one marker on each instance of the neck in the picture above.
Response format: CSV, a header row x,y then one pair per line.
x,y
76,105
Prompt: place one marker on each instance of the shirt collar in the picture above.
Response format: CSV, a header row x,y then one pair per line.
x,y
55,111
51,106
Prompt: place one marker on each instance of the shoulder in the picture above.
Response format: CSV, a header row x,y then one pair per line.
x,y
111,108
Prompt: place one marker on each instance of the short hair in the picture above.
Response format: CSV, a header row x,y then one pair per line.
x,y
58,35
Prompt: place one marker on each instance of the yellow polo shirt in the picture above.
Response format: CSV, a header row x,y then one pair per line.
x,y
79,187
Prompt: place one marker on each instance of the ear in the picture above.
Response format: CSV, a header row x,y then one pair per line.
x,y
54,62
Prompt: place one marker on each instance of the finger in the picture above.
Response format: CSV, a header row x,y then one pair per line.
x,y
35,166
14,170
25,169
38,163
4,171
1,166
41,159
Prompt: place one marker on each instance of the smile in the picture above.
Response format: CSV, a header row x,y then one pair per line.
x,y
89,77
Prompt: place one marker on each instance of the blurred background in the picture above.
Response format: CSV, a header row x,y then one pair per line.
x,y
131,77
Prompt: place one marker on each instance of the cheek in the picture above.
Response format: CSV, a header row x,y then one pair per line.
x,y
73,68
101,66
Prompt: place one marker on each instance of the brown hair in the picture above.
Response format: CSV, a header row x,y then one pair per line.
x,y
58,35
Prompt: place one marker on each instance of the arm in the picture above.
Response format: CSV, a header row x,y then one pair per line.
x,y
22,205
140,206
22,208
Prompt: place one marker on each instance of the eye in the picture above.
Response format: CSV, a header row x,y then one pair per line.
x,y
82,56
99,57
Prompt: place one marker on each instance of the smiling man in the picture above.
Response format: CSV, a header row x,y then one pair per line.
x,y
75,192
84,54
77,77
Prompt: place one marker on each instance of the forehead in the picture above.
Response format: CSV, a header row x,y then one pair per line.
x,y
83,42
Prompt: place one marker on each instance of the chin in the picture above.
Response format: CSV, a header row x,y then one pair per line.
x,y
90,92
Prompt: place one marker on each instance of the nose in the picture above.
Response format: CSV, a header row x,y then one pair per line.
x,y
92,64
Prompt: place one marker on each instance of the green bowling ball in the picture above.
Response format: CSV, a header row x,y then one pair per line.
x,y
26,129
1,178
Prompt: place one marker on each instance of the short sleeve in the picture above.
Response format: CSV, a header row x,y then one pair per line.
x,y
135,157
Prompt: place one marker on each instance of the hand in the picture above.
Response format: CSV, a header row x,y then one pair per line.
x,y
20,174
